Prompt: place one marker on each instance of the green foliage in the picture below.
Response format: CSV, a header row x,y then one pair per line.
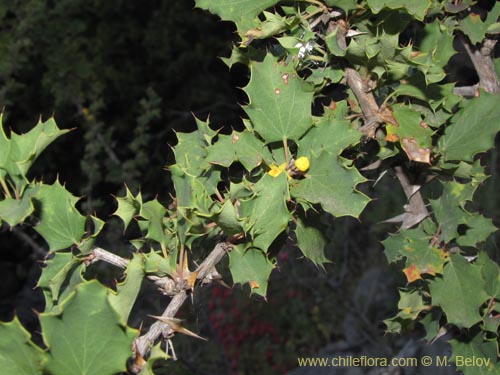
x,y
18,354
86,337
385,63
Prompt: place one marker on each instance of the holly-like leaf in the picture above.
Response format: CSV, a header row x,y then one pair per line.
x,y
21,150
55,273
15,211
476,357
128,207
88,242
479,228
128,290
227,218
473,129
241,12
449,208
412,132
330,134
280,101
154,212
421,256
332,185
244,147
18,355
460,292
267,211
346,5
157,264
86,337
431,324
310,239
418,9
60,223
475,28
490,272
250,266
411,304
190,153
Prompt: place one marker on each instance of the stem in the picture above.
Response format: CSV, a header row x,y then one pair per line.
x,y
5,188
285,146
366,101
415,211
106,256
144,342
481,59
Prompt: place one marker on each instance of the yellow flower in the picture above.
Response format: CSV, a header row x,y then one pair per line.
x,y
276,170
302,164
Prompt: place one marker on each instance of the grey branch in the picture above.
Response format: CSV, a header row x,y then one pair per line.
x,y
467,91
366,101
104,255
143,343
481,59
415,210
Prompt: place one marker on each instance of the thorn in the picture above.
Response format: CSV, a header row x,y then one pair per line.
x,y
176,325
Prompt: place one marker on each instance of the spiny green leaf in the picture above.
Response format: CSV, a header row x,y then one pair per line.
x,y
227,218
280,101
415,8
250,266
449,208
410,305
346,5
239,146
60,223
431,324
157,264
328,134
473,129
475,28
483,353
310,238
479,228
460,292
86,338
414,136
154,212
18,355
241,12
128,290
21,150
128,206
88,242
267,210
55,273
15,211
332,185
421,256
490,272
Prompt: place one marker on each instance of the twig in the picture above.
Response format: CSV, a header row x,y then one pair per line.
x,y
143,343
416,211
481,59
467,91
366,101
104,255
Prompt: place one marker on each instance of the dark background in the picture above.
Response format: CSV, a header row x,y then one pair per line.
x,y
126,75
